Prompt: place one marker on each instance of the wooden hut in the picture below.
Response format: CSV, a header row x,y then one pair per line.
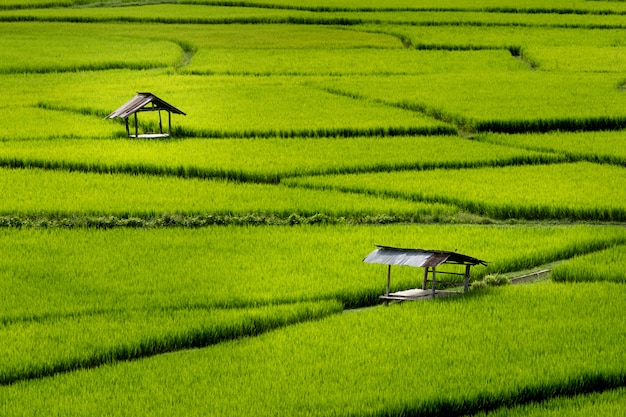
x,y
146,102
422,258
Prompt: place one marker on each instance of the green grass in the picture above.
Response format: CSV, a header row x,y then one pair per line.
x,y
542,101
37,47
607,404
605,146
224,106
607,265
61,193
457,356
49,272
577,191
69,342
259,160
346,62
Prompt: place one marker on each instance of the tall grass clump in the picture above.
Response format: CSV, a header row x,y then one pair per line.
x,y
345,364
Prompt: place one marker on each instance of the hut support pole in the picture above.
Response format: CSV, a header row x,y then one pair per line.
x,y
136,127
169,123
127,129
160,124
434,281
425,281
388,284
466,280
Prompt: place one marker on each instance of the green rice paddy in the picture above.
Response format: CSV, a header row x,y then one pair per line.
x,y
219,271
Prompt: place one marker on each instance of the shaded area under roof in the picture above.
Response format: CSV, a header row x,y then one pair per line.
x,y
138,103
421,258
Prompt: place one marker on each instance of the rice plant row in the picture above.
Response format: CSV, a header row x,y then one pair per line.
x,y
262,160
68,343
606,265
460,356
576,191
602,147
62,193
50,272
596,404
543,100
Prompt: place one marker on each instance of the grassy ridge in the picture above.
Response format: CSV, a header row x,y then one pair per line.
x,y
604,147
310,362
67,343
543,101
46,273
578,191
607,404
31,192
607,265
224,106
262,160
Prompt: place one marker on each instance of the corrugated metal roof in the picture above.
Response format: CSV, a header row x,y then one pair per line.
x,y
388,255
141,100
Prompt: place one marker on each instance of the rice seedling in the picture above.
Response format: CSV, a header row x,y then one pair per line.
x,y
578,58
259,160
606,403
36,47
348,364
577,191
346,61
227,106
66,343
606,265
64,193
49,272
543,101
604,146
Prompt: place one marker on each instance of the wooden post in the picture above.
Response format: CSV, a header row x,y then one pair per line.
x,y
127,129
466,280
434,282
388,284
136,127
160,123
425,281
169,123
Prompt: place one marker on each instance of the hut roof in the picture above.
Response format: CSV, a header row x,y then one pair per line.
x,y
388,255
138,102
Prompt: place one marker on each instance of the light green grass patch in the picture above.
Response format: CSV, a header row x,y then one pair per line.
x,y
45,273
606,265
605,146
261,160
605,404
581,191
347,61
348,364
37,47
36,191
578,58
502,101
506,36
67,343
33,123
229,106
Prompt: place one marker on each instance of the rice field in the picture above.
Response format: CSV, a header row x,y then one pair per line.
x,y
219,271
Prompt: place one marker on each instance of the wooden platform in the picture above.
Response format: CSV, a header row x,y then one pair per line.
x,y
416,294
151,136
